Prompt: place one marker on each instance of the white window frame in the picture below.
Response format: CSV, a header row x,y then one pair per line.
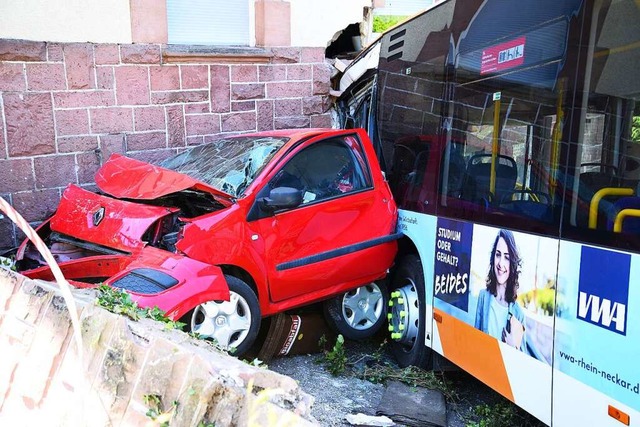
x,y
180,33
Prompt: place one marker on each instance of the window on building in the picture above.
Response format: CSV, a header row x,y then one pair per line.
x,y
209,22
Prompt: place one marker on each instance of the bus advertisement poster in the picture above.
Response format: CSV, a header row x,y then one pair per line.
x,y
596,332
511,287
452,261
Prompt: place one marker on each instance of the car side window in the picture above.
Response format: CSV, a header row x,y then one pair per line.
x,y
323,170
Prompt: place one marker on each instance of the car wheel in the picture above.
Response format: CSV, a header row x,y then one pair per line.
x,y
407,315
360,313
232,324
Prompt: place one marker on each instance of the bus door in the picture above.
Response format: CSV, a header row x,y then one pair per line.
x,y
498,207
597,337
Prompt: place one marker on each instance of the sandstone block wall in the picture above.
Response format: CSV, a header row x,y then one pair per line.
x,y
44,382
66,107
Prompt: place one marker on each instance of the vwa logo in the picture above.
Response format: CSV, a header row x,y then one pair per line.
x,y
603,291
602,312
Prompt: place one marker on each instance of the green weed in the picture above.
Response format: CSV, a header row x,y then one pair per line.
x,y
411,376
256,362
156,412
498,415
119,301
501,414
335,360
8,263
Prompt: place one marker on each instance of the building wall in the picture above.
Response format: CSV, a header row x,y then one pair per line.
x,y
66,20
309,23
66,107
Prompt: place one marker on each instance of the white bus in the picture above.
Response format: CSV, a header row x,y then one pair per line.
x,y
510,134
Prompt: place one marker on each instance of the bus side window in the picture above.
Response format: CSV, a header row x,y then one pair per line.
x,y
606,178
488,172
602,198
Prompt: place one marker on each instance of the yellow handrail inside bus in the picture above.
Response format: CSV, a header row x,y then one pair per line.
x,y
617,225
555,139
495,147
595,201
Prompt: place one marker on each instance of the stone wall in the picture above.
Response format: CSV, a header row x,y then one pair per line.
x,y
65,108
43,381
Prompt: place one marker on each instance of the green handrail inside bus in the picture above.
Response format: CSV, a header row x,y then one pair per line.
x,y
595,201
617,225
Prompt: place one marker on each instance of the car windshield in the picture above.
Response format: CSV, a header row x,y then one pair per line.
x,y
229,164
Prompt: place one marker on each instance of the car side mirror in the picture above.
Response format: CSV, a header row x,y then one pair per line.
x,y
281,198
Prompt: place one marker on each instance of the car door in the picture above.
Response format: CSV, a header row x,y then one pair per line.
x,y
341,234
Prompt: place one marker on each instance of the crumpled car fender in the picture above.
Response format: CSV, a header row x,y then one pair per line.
x,y
197,282
153,277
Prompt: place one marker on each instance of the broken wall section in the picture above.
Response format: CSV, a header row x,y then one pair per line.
x,y
125,365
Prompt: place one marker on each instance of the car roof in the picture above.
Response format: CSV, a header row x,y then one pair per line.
x,y
290,133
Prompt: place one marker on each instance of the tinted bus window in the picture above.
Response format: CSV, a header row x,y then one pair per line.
x,y
411,100
503,129
603,169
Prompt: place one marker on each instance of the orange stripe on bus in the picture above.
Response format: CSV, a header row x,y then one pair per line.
x,y
474,351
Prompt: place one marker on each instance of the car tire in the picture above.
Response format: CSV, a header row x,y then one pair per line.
x,y
407,315
232,324
360,313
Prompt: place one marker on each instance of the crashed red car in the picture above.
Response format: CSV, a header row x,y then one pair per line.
x,y
241,228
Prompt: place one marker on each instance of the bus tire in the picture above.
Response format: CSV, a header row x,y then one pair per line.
x,y
407,316
360,313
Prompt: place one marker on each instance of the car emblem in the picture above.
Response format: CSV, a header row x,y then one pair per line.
x,y
98,216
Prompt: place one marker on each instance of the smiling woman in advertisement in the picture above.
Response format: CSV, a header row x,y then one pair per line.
x,y
498,313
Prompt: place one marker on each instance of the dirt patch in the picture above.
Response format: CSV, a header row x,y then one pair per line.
x,y
338,396
335,396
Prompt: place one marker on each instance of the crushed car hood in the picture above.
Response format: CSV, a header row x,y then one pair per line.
x,y
104,221
127,178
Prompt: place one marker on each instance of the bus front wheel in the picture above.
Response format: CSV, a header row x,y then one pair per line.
x,y
407,315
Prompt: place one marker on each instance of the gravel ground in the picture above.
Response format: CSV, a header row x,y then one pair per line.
x,y
336,397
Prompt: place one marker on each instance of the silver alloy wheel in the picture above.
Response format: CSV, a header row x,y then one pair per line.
x,y
226,322
404,314
362,307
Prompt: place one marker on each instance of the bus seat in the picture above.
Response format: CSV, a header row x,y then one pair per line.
x,y
630,224
457,170
592,181
528,203
404,158
478,176
595,181
419,167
